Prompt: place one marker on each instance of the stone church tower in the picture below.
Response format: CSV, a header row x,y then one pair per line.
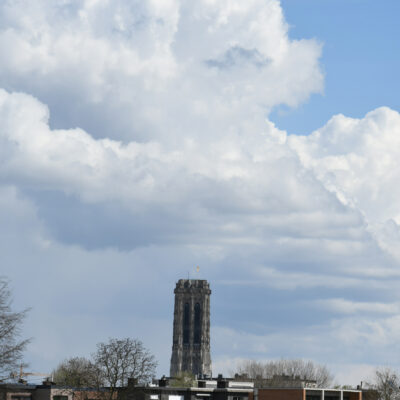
x,y
191,337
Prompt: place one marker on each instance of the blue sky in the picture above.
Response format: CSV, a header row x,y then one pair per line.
x,y
258,140
360,58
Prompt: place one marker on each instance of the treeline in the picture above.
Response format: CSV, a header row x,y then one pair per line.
x,y
384,384
270,372
111,365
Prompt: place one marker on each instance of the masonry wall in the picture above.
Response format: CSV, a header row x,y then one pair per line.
x,y
354,395
27,395
191,335
282,394
6,392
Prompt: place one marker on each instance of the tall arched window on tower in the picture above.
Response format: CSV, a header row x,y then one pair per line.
x,y
186,324
197,324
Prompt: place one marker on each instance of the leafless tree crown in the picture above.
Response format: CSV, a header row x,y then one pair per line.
x,y
307,370
11,347
386,383
121,359
78,372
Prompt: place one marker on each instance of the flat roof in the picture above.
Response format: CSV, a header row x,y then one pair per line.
x,y
195,389
309,388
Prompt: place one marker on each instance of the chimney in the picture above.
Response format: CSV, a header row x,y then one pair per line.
x,y
221,382
163,382
48,382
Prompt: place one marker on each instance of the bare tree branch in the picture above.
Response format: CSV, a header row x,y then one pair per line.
x,y
271,371
11,348
121,359
386,384
78,372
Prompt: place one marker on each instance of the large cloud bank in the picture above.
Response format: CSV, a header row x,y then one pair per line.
x,y
135,140
132,70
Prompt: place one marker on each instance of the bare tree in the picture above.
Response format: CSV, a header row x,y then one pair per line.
x,y
252,369
11,347
271,372
386,384
121,359
78,372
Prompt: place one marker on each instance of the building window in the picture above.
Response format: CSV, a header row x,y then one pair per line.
x,y
58,397
197,324
186,324
313,397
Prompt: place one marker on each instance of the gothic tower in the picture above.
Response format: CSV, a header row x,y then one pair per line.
x,y
191,336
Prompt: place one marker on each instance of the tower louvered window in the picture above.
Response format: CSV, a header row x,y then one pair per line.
x,y
186,324
197,324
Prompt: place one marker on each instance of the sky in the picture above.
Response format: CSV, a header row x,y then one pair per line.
x,y
258,140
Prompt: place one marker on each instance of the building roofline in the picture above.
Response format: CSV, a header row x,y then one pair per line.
x,y
309,388
195,389
335,390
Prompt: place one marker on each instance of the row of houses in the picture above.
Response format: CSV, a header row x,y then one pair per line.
x,y
232,389
48,391
287,388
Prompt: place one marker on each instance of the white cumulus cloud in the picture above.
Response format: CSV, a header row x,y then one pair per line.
x,y
357,159
156,69
135,142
